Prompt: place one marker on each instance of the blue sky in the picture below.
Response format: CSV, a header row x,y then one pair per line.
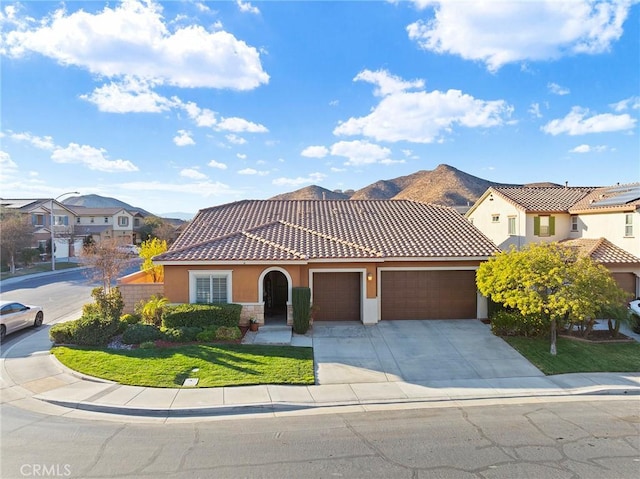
x,y
182,105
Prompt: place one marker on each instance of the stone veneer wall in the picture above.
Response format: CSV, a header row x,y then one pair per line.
x,y
249,311
133,293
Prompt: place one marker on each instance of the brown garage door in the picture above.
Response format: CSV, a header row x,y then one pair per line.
x,y
428,295
626,281
337,296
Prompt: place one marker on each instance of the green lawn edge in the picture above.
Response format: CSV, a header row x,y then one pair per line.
x,y
214,365
578,356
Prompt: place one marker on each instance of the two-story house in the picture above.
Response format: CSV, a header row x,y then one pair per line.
x,y
39,212
106,224
602,222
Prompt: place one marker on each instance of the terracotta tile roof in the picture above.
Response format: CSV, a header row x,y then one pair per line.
x,y
610,198
601,250
552,199
265,230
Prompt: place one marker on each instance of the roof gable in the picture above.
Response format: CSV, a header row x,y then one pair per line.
x,y
601,250
543,199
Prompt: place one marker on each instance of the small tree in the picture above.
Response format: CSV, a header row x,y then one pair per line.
x,y
148,250
105,262
549,280
16,233
301,301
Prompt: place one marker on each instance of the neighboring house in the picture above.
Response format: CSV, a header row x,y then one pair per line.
x,y
604,222
363,260
106,224
39,213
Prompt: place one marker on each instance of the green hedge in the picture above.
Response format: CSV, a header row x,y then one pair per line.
x,y
201,315
89,330
140,333
513,323
181,335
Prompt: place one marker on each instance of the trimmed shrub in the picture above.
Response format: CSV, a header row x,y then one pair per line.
x,y
228,333
129,319
181,335
208,335
63,333
109,303
513,323
139,333
95,330
201,315
147,345
301,300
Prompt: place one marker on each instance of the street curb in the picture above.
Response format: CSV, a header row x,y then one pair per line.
x,y
282,407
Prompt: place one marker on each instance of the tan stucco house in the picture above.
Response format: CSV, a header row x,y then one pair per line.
x,y
367,260
603,222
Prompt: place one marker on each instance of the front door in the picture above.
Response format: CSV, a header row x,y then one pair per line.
x,y
276,293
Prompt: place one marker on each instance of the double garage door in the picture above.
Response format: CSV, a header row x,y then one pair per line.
x,y
428,295
414,294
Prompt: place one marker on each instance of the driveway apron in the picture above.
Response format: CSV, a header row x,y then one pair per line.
x,y
420,352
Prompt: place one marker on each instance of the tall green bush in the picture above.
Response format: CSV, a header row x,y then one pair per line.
x,y
301,300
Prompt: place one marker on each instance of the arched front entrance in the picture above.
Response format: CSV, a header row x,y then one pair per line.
x,y
275,289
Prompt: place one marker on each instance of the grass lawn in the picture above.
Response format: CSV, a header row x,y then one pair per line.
x,y
217,365
38,268
578,356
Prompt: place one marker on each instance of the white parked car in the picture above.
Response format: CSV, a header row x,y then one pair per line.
x,y
634,307
15,316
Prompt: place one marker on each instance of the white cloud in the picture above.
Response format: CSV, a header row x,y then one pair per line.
x,y
92,158
501,32
239,125
241,156
7,166
337,170
557,89
183,138
632,103
246,7
235,139
386,83
188,57
360,152
422,116
312,178
252,171
202,117
577,122
129,96
315,152
193,174
534,110
41,142
216,164
588,149
200,188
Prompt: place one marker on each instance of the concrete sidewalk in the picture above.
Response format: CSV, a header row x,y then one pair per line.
x,y
33,379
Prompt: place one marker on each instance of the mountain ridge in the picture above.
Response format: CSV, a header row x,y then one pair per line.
x,y
445,185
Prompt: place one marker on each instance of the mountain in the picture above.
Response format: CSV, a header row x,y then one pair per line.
x,y
97,201
445,185
312,192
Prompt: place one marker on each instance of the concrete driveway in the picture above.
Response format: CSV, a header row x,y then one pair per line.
x,y
421,352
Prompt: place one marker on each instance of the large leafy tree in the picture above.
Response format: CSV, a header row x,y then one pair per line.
x,y
549,280
149,249
15,232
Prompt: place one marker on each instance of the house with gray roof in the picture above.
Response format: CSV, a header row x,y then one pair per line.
x,y
365,260
603,222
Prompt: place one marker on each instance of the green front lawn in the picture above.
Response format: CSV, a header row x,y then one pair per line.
x,y
217,365
38,268
578,356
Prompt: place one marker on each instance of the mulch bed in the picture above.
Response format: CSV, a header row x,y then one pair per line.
x,y
602,336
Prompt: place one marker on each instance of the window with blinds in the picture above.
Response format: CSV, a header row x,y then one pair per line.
x,y
211,289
